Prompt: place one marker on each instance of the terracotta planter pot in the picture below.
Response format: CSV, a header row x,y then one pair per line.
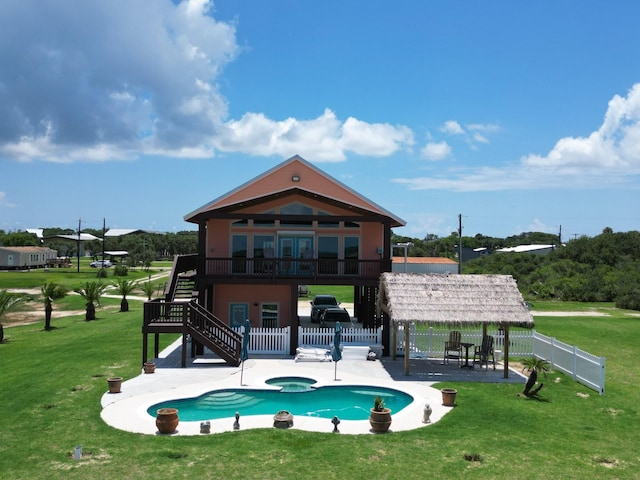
x,y
149,367
167,420
114,384
449,397
380,421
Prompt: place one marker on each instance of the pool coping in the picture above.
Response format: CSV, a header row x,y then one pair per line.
x,y
127,410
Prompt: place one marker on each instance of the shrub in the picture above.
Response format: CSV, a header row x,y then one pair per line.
x,y
120,271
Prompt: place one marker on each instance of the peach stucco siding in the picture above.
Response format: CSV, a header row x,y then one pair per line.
x,y
254,296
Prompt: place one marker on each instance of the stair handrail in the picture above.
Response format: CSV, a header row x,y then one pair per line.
x,y
228,341
181,264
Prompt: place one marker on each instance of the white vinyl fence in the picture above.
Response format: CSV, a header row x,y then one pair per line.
x,y
265,341
323,337
583,367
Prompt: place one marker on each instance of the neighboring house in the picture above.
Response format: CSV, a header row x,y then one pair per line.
x,y
537,249
424,265
473,253
26,257
293,225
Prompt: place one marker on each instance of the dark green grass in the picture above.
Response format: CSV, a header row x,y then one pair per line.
x,y
51,384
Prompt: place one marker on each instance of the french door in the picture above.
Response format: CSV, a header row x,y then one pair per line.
x,y
295,247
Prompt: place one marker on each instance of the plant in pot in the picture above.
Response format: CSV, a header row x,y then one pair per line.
x,y
380,416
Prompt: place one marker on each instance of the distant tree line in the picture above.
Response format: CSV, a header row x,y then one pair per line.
x,y
141,247
605,268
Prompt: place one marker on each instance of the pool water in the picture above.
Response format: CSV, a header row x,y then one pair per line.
x,y
292,384
347,402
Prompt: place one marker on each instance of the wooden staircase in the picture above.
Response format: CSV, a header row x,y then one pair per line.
x,y
185,288
211,332
180,312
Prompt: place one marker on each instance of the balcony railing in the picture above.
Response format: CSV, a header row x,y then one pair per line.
x,y
279,268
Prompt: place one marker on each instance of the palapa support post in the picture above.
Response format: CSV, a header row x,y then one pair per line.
x,y
505,362
407,343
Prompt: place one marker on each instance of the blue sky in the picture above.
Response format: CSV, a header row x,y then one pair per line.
x,y
519,116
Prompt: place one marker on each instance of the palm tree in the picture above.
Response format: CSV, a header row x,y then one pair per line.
x,y
148,288
8,301
124,288
51,291
91,292
533,365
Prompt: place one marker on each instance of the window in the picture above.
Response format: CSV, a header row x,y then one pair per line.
x,y
239,253
296,209
263,248
327,224
351,255
328,255
269,315
265,223
238,313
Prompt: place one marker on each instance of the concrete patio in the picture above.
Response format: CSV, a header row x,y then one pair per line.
x,y
128,410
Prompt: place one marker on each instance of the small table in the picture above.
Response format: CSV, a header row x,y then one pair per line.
x,y
466,346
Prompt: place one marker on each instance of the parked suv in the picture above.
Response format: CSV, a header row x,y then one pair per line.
x,y
319,304
335,314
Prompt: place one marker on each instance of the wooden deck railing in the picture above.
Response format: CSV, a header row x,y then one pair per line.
x,y
277,268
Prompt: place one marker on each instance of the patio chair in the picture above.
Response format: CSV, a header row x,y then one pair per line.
x,y
453,347
484,352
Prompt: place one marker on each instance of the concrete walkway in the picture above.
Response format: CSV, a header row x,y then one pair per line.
x,y
128,410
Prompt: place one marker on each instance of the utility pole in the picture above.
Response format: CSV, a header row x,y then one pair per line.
x,y
560,236
459,243
78,249
104,230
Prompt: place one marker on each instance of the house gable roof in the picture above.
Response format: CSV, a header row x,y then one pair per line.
x,y
458,300
279,181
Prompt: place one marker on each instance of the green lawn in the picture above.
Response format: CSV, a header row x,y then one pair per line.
x,y
51,384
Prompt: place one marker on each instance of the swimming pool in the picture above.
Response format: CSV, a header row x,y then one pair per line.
x,y
297,395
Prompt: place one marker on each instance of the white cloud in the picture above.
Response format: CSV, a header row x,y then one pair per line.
x,y
135,78
141,79
4,203
473,133
324,138
609,156
452,128
538,225
614,148
436,151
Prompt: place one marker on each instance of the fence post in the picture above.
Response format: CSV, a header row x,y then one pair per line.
x,y
429,342
288,340
601,375
575,363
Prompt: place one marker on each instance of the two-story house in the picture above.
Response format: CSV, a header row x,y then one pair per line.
x,y
292,225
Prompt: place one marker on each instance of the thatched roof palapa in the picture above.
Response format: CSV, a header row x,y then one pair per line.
x,y
452,300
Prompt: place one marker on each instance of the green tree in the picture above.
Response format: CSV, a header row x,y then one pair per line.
x,y
124,288
8,301
148,288
91,292
20,239
51,291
